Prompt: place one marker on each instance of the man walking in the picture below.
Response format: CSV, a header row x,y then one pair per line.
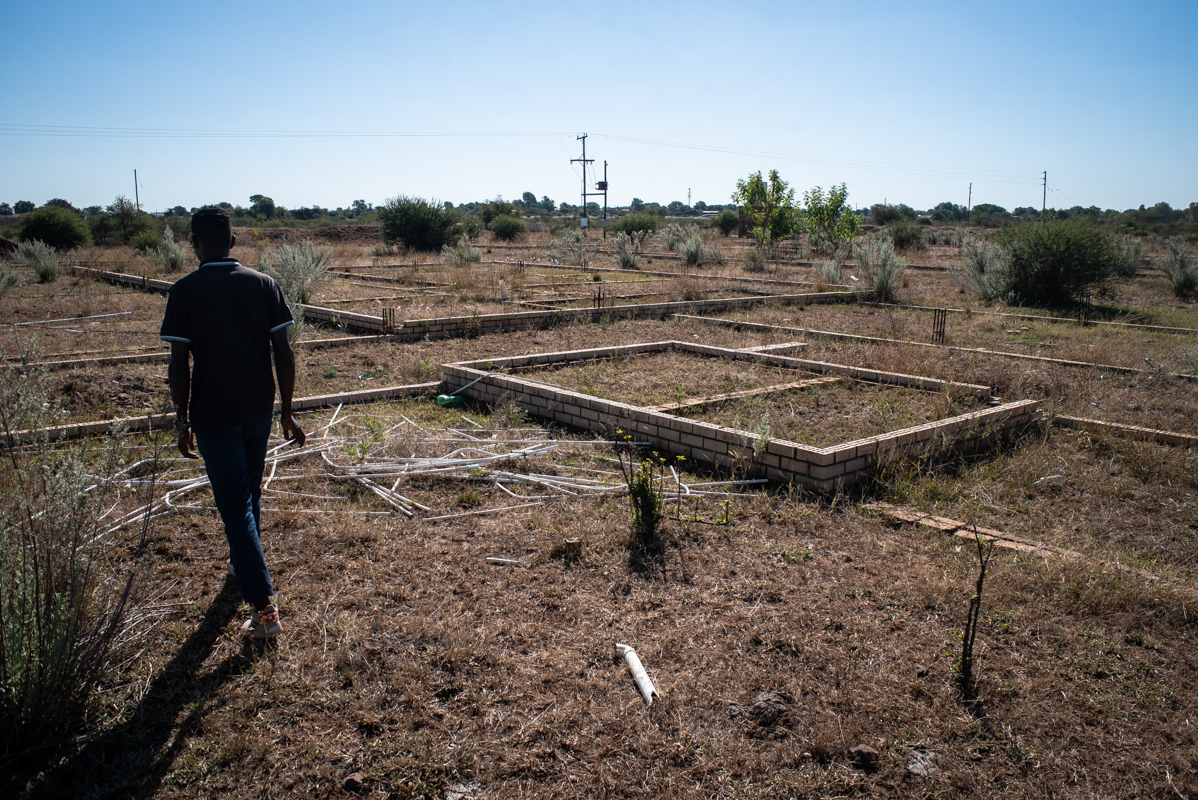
x,y
228,318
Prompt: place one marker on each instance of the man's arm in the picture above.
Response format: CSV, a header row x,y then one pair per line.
x,y
178,377
285,370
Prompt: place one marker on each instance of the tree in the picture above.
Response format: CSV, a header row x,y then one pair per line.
x,y
637,205
829,219
418,223
547,203
5,209
496,208
949,212
360,207
23,206
727,221
65,205
262,206
507,228
56,227
677,208
126,218
529,199
769,204
1054,262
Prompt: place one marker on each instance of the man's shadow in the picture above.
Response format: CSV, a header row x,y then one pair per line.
x,y
132,759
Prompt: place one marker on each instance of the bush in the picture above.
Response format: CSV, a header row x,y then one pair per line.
x,y
507,228
1052,263
462,253
754,261
573,249
636,223
727,221
56,227
8,278
1129,253
419,224
828,271
695,253
674,236
1179,265
39,257
984,271
881,266
170,253
906,235
145,241
625,251
299,269
68,580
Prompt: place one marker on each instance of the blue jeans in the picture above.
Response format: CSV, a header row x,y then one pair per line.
x,y
234,457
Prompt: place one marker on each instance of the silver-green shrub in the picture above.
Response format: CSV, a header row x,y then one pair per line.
x,y
170,253
69,578
625,252
984,271
299,269
675,236
8,278
1129,252
1178,264
461,254
881,266
572,248
39,257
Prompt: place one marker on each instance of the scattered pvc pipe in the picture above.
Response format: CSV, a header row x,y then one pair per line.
x,y
643,682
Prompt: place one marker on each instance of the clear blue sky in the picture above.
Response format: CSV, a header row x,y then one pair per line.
x,y
904,102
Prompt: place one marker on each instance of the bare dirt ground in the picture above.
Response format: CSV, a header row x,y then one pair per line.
x,y
782,628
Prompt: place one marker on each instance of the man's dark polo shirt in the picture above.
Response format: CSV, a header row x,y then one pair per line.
x,y
227,312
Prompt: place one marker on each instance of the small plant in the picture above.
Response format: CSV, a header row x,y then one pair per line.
x,y
330,371
1129,252
299,269
1179,265
461,254
984,271
572,248
69,579
674,237
39,257
8,278
906,235
754,261
145,241
170,254
646,501
695,253
625,252
507,228
828,272
970,635
881,266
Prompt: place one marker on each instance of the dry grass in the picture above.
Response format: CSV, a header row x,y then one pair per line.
x,y
778,641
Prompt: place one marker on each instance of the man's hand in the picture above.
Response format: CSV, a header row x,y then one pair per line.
x,y
187,444
292,430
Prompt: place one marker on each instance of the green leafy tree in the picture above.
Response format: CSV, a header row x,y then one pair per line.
x,y
126,219
5,209
56,227
418,223
496,208
727,221
262,206
529,199
770,205
637,205
829,219
23,206
507,228
65,205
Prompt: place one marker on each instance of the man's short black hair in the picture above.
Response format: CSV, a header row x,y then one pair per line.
x,y
211,225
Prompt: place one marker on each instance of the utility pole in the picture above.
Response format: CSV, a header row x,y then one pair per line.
x,y
584,161
969,202
1044,196
688,197
136,197
603,188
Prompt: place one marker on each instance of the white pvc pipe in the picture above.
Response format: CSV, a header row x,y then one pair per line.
x,y
643,682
